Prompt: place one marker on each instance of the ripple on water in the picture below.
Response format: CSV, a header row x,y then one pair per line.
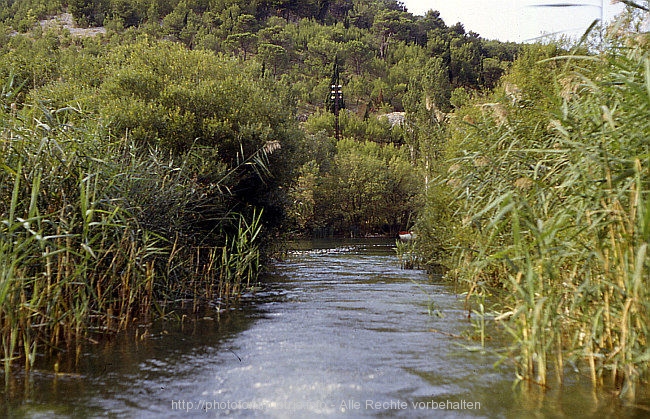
x,y
332,325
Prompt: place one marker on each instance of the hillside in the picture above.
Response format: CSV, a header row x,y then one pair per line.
x,y
384,51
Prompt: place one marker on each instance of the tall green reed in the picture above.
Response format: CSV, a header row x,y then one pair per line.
x,y
555,189
96,232
240,256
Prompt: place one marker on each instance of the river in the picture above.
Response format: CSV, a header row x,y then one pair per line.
x,y
337,330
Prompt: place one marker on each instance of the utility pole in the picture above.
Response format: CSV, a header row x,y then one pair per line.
x,y
337,96
335,101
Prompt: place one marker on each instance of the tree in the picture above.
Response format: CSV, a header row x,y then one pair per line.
x,y
357,54
388,24
175,22
436,84
492,70
88,12
129,11
302,196
319,53
339,9
242,43
430,21
274,56
465,62
370,186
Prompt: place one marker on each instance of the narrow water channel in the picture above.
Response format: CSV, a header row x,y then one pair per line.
x,y
339,330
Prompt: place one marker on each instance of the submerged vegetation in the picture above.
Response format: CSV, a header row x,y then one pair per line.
x,y
157,163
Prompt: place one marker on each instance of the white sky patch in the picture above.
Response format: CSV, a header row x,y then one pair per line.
x,y
518,21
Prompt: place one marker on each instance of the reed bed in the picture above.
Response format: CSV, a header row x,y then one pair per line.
x,y
554,193
96,233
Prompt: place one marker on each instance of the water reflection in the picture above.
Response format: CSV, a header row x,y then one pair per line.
x,y
339,330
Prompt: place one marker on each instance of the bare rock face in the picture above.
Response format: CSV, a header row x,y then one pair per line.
x,y
394,118
65,21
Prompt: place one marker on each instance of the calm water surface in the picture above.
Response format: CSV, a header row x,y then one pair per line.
x,y
339,330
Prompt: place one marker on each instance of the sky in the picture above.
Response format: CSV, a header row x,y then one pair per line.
x,y
517,20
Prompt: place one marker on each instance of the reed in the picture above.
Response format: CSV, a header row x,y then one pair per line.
x,y
97,232
240,257
556,202
407,254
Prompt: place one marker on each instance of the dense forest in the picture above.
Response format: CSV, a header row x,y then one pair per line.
x,y
158,156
